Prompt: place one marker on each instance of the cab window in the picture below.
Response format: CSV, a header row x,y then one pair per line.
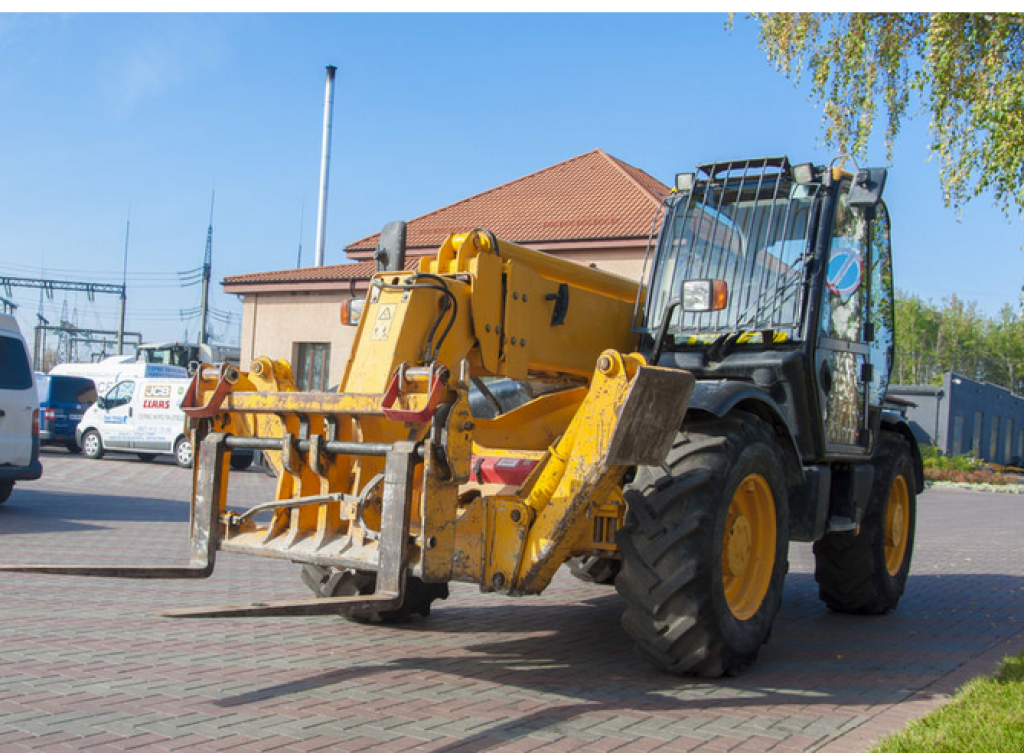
x,y
882,306
844,299
120,394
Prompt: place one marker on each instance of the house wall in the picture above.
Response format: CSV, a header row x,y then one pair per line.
x,y
274,323
627,263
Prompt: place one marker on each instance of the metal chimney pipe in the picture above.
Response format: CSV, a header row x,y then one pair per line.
x,y
325,167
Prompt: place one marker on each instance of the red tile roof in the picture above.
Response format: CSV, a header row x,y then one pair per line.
x,y
360,270
590,197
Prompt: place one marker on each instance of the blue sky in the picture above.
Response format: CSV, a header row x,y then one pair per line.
x,y
103,114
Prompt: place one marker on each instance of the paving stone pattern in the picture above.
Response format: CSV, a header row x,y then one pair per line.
x,y
86,666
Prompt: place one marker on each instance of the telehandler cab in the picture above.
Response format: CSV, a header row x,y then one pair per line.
x,y
675,436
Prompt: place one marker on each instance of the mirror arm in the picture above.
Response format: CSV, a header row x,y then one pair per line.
x,y
659,339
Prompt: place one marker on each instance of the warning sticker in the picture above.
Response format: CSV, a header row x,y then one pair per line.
x,y
382,325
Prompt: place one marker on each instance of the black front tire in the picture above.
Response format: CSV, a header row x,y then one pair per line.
x,y
330,581
683,531
240,461
73,447
6,487
147,457
866,572
592,569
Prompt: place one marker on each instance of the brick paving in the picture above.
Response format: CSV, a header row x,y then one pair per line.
x,y
86,666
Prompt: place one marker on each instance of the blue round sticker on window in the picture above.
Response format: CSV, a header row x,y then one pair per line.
x,y
844,273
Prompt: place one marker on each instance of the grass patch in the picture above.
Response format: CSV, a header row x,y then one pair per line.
x,y
985,716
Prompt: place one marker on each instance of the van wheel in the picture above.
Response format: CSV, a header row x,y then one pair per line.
x,y
92,445
147,457
183,452
73,448
6,487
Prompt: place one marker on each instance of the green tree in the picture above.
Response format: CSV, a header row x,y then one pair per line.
x,y
1004,344
917,337
965,69
961,338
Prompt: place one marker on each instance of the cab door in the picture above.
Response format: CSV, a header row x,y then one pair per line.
x,y
117,415
844,353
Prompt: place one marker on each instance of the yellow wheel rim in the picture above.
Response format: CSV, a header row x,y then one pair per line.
x,y
897,525
748,547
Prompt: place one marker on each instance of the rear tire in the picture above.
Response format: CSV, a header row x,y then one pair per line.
x,y
331,581
241,460
73,448
704,548
183,452
6,487
866,573
595,569
92,445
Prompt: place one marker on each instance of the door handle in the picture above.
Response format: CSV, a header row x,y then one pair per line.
x,y
825,377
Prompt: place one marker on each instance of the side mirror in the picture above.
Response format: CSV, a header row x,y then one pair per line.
x,y
101,403
866,191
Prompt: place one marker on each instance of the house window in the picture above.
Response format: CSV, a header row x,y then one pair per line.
x,y
312,361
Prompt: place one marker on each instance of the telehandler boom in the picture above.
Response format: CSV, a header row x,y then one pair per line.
x,y
672,439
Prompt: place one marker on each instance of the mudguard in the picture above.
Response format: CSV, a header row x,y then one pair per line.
x,y
893,421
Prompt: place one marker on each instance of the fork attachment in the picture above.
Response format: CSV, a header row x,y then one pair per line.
x,y
204,535
400,465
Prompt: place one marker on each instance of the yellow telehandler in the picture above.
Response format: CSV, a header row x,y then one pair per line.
x,y
504,413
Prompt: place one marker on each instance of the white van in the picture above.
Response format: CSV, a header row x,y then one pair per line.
x,y
139,414
19,410
142,414
108,372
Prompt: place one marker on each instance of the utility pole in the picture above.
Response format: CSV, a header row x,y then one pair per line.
x,y
124,288
207,267
325,168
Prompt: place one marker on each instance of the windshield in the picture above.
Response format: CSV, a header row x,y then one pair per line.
x,y
750,231
173,355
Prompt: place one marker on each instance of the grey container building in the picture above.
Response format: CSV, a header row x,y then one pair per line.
x,y
965,416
